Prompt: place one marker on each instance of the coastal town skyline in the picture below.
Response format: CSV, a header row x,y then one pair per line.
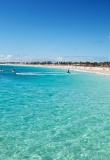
x,y
36,29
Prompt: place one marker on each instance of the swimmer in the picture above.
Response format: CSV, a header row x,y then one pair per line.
x,y
13,70
1,70
68,72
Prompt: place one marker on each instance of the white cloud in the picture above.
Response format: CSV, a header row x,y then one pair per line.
x,y
59,59
109,37
17,58
26,58
7,58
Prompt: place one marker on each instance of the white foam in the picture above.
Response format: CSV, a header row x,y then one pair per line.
x,y
26,74
43,74
102,73
80,70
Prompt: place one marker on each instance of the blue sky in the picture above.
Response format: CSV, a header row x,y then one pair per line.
x,y
37,29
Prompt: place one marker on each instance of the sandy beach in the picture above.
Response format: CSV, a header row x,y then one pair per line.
x,y
104,71
97,70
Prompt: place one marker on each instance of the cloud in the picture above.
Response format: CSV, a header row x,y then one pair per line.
x,y
27,58
59,59
7,58
109,37
16,58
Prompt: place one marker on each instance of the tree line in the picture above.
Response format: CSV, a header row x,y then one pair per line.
x,y
86,64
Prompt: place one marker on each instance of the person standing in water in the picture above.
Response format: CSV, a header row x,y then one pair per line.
x,y
1,70
68,72
13,70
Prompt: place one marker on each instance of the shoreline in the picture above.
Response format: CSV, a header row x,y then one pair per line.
x,y
97,70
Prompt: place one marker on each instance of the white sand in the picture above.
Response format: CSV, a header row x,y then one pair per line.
x,y
98,70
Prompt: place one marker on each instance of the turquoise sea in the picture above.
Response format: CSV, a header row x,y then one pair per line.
x,y
46,114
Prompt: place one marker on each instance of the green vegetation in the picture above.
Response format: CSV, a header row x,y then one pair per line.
x,y
85,64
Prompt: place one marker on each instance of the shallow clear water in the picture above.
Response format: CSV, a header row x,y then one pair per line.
x,y
46,114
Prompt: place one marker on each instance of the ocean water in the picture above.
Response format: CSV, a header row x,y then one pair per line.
x,y
46,114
